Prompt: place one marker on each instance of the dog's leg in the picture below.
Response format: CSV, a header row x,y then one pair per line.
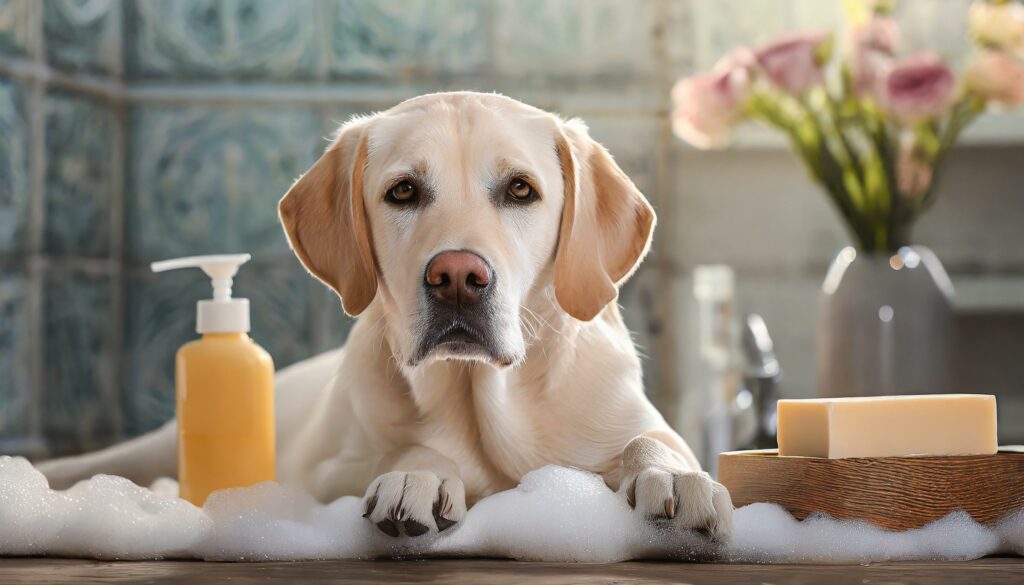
x,y
419,490
666,485
142,460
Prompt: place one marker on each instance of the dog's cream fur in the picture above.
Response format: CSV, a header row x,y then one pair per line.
x,y
561,382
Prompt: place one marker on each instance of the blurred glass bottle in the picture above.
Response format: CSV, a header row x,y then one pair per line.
x,y
729,371
718,368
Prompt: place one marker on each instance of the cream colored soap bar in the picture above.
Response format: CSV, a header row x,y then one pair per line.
x,y
888,426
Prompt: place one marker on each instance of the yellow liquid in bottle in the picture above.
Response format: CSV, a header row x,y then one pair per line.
x,y
225,399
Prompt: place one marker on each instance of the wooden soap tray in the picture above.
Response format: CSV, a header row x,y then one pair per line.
x,y
898,493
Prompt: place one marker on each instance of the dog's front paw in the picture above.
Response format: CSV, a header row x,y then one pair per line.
x,y
689,500
665,493
413,502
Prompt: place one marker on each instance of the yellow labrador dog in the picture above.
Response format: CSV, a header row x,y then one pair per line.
x,y
482,242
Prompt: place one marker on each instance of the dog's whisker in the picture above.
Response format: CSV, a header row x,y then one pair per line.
x,y
530,328
542,321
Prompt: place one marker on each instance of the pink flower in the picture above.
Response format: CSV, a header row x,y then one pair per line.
x,y
879,34
917,88
998,25
708,105
996,76
794,63
872,47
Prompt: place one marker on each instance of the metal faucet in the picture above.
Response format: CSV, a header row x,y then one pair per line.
x,y
755,417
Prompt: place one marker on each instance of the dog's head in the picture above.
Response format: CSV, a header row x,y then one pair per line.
x,y
453,209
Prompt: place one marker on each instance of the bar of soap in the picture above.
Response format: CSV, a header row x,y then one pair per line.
x,y
888,426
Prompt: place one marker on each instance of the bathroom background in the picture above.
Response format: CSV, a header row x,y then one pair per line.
x,y
137,130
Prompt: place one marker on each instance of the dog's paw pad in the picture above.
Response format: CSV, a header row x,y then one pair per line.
x,y
413,503
414,528
387,526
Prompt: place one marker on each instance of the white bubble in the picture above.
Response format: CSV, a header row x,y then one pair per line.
x,y
105,517
555,514
885,313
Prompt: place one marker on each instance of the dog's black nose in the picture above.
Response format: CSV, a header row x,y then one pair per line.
x,y
457,278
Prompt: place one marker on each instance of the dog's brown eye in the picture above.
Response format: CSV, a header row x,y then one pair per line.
x,y
403,192
521,191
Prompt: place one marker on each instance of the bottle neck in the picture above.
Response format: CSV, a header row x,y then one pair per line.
x,y
226,336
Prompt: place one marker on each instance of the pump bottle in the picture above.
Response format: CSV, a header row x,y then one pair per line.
x,y
225,390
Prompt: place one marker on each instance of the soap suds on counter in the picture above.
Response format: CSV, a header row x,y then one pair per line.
x,y
555,514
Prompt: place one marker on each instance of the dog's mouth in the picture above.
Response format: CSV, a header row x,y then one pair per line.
x,y
460,336
459,341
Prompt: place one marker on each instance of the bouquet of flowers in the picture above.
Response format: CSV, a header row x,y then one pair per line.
x,y
871,126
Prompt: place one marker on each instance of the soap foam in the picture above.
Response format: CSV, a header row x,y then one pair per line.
x,y
106,517
555,514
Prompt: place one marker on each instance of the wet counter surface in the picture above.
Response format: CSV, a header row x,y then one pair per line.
x,y
498,572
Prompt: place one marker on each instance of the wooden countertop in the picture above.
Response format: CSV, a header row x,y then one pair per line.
x,y
36,571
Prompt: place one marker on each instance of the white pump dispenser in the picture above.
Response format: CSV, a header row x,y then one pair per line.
x,y
224,392
221,314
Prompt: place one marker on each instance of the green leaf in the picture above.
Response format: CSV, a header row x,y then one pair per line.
x,y
926,141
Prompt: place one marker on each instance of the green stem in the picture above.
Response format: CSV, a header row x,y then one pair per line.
x,y
862,184
848,152
964,113
808,143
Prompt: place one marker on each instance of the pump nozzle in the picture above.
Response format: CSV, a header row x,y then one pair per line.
x,y
222,314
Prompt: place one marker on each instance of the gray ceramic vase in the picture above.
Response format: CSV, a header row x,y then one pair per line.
x,y
886,325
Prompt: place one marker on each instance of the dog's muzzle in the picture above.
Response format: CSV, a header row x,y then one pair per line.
x,y
457,322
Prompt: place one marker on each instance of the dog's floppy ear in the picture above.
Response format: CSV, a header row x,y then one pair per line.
x,y
326,224
606,224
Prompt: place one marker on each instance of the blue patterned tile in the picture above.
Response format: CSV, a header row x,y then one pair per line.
x,y
208,179
79,373
161,318
79,175
387,38
15,377
16,26
83,35
210,38
14,169
280,299
331,326
574,38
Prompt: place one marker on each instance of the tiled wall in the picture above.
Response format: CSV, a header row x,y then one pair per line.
x,y
61,177
134,130
137,130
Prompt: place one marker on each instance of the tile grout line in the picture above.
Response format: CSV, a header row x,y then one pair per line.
x,y
118,282
667,395
35,110
119,62
322,71
43,73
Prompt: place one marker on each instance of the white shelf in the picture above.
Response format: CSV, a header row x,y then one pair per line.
x,y
988,294
992,129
